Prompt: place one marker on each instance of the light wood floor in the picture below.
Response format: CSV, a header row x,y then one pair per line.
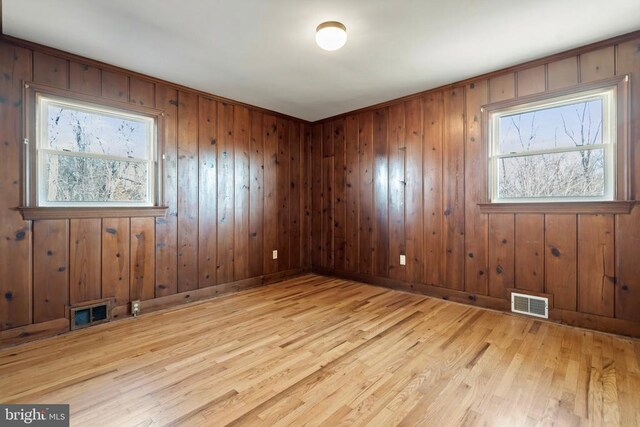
x,y
322,351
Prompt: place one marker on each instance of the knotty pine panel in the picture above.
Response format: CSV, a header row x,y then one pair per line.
x,y
454,192
352,179
283,183
366,207
51,269
476,224
188,193
397,162
15,234
242,145
339,194
115,259
207,201
167,227
256,195
270,135
225,193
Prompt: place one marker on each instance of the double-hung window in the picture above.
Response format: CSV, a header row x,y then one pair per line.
x,y
561,147
86,152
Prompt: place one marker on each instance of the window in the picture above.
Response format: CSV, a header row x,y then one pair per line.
x,y
86,152
561,147
92,155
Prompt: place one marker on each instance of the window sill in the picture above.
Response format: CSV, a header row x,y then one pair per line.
x,y
30,214
607,207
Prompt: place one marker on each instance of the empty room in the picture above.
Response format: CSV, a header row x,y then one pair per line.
x,y
298,212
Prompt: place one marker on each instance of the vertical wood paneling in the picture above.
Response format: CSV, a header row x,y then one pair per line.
x,y
475,178
530,252
142,259
339,195
85,260
225,193
256,196
242,145
381,192
502,87
207,192
531,80
15,234
167,227
284,186
597,65
50,70
433,211
115,86
562,73
596,268
366,211
142,92
85,79
115,259
627,296
561,260
306,185
352,255
501,254
51,269
188,191
397,153
327,195
296,194
414,234
270,132
316,195
453,234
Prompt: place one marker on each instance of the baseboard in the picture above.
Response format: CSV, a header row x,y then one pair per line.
x,y
566,317
36,331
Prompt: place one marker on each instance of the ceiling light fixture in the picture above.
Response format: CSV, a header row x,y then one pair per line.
x,y
331,35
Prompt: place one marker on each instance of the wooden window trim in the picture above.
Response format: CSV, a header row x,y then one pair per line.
x,y
622,203
28,207
603,207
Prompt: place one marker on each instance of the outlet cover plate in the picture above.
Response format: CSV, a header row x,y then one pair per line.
x,y
275,254
403,260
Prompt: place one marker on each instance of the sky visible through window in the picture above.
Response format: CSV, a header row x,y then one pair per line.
x,y
575,174
86,132
558,127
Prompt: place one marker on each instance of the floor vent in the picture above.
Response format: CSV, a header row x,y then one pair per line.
x,y
528,304
89,315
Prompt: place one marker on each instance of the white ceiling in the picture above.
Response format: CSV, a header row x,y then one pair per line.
x,y
263,52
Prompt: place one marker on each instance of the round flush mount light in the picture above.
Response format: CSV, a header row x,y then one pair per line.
x,y
331,35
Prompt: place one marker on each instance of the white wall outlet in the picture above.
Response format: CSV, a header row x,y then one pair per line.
x,y
403,260
135,307
275,254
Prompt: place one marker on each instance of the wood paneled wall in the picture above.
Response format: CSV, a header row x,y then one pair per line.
x,y
235,184
406,177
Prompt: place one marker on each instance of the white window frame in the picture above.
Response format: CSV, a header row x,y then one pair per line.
x,y
42,149
608,95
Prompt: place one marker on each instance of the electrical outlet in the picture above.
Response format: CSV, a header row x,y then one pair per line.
x,y
135,308
275,254
403,260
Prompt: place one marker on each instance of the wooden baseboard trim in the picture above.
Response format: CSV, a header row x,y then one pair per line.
x,y
37,331
570,318
32,332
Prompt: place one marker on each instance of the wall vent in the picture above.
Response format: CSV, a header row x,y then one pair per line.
x,y
89,315
529,304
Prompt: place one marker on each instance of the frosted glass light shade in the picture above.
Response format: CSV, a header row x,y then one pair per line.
x,y
331,35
